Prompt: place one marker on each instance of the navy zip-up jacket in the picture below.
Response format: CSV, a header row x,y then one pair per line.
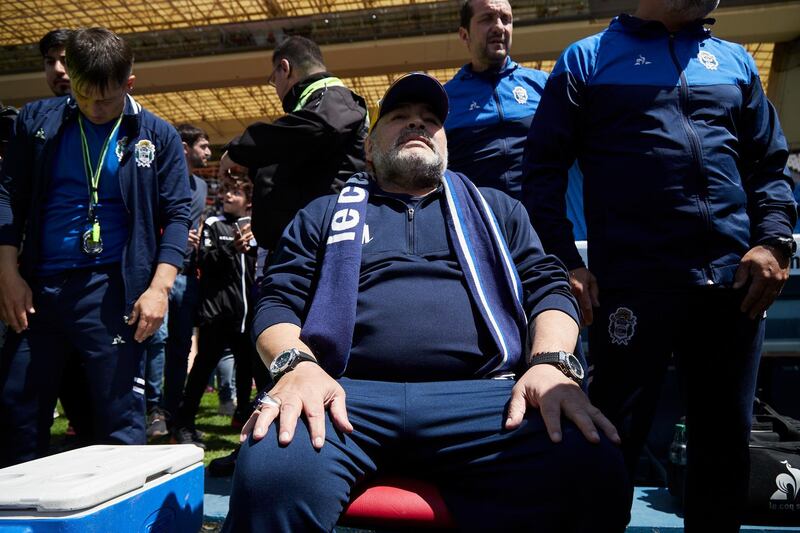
x,y
490,115
415,320
682,155
156,195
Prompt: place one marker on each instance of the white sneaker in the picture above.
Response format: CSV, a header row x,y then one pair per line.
x,y
227,408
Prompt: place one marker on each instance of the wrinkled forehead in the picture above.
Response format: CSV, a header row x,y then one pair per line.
x,y
480,7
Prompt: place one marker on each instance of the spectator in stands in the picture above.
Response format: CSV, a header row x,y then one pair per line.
x,y
94,194
424,333
308,152
52,46
171,363
225,311
492,102
690,222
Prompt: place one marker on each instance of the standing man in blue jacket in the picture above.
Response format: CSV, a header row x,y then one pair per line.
x,y
690,220
94,196
412,294
492,102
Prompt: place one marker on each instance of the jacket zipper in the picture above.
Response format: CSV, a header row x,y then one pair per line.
x,y
410,211
124,259
244,293
694,143
502,139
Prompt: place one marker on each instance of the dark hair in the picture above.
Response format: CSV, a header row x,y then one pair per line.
x,y
301,52
54,39
97,57
237,182
190,134
465,14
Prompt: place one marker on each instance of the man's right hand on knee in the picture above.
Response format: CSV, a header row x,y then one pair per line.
x,y
306,390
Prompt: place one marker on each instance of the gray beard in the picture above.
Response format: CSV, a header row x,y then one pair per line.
x,y
692,9
410,172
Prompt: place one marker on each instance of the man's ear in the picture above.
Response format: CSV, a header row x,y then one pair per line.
x,y
368,150
286,67
129,84
185,149
463,34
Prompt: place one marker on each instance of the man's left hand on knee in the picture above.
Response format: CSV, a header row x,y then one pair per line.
x,y
548,389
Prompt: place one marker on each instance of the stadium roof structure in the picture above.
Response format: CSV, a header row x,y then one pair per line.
x,y
206,61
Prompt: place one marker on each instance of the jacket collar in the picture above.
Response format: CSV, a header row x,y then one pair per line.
x,y
629,23
508,67
131,113
291,98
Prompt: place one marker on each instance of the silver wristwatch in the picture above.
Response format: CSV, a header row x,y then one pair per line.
x,y
286,361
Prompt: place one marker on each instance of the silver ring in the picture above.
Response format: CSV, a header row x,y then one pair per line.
x,y
266,399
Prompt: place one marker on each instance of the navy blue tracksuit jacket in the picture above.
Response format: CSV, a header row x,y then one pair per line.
x,y
682,155
415,320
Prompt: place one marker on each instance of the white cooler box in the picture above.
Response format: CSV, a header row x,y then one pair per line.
x,y
116,489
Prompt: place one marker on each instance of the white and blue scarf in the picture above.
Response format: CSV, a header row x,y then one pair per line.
x,y
482,253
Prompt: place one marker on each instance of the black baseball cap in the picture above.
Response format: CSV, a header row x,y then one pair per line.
x,y
412,88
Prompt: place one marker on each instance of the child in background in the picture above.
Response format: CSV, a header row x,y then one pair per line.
x,y
227,269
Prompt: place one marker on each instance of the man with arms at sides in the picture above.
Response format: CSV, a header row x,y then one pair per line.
x,y
308,152
73,392
492,102
94,194
407,295
690,223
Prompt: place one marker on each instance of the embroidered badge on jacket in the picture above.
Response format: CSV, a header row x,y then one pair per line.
x,y
520,94
708,60
145,153
621,326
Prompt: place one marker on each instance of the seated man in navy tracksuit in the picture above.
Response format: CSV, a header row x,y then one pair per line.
x,y
89,182
412,293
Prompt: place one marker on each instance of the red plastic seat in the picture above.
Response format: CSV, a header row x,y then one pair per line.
x,y
396,502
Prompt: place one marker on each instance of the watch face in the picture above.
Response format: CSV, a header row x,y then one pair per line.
x,y
281,362
574,366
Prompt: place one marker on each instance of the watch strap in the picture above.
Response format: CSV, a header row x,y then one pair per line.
x,y
558,360
786,245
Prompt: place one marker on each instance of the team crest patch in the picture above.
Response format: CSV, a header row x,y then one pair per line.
x,y
621,326
520,94
120,149
145,153
708,60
